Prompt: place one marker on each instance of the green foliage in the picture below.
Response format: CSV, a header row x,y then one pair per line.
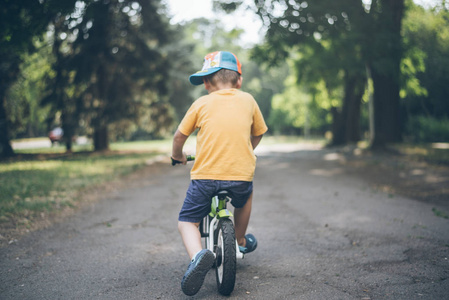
x,y
426,66
122,64
335,42
318,37
115,51
424,129
263,83
182,57
136,106
413,64
26,115
289,111
296,111
20,22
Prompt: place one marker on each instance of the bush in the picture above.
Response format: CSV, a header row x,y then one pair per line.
x,y
428,129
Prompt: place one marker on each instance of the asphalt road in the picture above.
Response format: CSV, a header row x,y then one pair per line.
x,y
322,234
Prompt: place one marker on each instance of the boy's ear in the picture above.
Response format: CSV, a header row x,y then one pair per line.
x,y
206,83
239,82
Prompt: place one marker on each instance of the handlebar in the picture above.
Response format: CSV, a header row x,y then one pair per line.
x,y
175,162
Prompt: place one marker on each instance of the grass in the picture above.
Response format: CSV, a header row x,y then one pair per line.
x,y
440,213
47,179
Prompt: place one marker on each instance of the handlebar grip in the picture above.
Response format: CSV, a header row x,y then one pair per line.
x,y
175,162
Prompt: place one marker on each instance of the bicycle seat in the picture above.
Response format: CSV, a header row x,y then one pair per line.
x,y
222,194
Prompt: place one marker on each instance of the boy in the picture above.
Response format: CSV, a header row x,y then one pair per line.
x,y
230,127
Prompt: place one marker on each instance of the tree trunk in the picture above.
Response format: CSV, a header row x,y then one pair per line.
x,y
101,138
68,125
337,127
68,137
384,67
386,113
354,90
346,124
5,143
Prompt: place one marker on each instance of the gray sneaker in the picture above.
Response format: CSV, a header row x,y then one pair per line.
x,y
196,272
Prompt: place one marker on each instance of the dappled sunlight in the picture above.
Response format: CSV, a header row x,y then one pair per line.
x,y
440,145
417,172
434,179
333,156
327,172
264,149
426,177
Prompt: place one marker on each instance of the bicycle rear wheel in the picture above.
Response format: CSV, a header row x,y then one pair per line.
x,y
225,252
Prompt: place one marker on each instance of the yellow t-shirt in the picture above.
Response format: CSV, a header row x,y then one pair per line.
x,y
226,120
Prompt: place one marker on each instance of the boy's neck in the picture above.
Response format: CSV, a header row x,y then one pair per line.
x,y
218,87
221,86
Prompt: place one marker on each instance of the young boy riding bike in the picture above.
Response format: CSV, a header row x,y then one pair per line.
x,y
230,127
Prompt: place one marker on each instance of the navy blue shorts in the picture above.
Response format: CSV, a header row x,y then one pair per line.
x,y
198,197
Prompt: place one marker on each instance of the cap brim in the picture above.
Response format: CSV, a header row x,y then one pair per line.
x,y
197,78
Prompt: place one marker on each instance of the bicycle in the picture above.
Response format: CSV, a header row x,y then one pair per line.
x,y
218,232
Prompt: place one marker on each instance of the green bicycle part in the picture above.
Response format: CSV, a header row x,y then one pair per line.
x,y
218,209
224,213
213,206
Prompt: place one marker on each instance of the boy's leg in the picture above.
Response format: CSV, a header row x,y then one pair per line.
x,y
241,220
191,237
201,260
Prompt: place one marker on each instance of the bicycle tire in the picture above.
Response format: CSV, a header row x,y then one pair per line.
x,y
226,261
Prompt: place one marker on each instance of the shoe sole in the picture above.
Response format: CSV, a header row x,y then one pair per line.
x,y
193,282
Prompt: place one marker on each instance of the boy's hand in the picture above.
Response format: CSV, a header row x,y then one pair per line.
x,y
179,160
178,156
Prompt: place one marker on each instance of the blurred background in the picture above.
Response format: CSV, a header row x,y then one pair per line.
x,y
101,71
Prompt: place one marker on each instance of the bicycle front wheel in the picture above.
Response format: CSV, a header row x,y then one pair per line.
x,y
225,252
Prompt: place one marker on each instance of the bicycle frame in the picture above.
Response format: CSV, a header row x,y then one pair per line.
x,y
218,211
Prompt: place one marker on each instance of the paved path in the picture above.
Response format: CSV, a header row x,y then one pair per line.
x,y
322,235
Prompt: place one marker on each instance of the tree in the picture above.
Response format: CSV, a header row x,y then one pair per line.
x,y
319,32
425,73
182,55
20,22
426,64
357,35
383,55
61,92
115,51
25,114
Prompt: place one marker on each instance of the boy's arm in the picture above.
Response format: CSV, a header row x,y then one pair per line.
x,y
255,140
179,140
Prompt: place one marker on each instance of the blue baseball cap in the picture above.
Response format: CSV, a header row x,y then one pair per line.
x,y
214,62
